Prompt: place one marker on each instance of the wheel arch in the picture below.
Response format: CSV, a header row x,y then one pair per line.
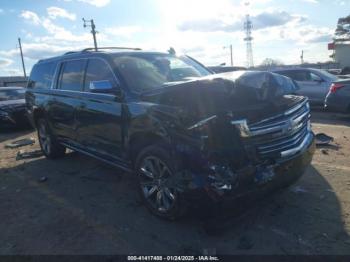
x,y
143,139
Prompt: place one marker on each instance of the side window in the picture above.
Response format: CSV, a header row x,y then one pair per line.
x,y
315,77
300,75
98,70
71,75
41,75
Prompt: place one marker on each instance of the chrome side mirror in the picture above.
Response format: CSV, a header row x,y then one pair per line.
x,y
100,86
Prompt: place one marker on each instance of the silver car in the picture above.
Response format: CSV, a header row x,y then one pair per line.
x,y
313,83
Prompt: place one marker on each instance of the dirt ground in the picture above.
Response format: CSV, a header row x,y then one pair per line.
x,y
87,207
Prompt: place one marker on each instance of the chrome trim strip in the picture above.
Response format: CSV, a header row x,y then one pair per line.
x,y
282,126
295,150
296,108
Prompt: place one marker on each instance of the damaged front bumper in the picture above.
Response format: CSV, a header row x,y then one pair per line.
x,y
225,183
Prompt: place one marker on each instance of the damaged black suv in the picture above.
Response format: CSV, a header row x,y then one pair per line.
x,y
182,130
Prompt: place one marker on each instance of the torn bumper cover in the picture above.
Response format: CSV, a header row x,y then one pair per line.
x,y
225,183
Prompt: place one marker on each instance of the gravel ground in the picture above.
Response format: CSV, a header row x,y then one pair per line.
x,y
86,207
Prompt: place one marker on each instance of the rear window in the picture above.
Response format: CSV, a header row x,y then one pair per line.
x,y
41,76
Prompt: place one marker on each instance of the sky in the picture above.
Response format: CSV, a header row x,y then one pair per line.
x,y
200,28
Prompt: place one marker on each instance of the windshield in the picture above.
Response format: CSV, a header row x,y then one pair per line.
x,y
11,94
145,72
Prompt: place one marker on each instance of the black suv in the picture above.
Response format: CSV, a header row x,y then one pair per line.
x,y
187,134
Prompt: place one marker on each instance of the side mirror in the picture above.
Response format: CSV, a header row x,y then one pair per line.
x,y
103,86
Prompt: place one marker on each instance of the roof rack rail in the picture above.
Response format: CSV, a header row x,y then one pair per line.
x,y
70,52
112,47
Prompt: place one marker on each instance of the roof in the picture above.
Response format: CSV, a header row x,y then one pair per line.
x,y
101,51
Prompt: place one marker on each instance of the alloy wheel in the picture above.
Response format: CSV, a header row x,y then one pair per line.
x,y
44,138
154,175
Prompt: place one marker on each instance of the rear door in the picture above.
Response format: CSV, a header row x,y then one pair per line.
x,y
99,114
66,99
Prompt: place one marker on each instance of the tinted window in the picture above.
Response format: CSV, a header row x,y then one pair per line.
x,y
98,70
71,75
41,75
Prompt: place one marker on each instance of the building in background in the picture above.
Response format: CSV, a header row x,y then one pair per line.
x,y
13,81
341,43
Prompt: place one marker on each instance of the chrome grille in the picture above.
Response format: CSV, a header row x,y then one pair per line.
x,y
281,135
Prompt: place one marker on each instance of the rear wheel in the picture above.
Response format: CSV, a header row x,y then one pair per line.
x,y
49,146
155,170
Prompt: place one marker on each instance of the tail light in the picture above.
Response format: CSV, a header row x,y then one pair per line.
x,y
335,87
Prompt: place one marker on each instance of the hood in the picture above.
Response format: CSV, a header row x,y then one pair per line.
x,y
243,94
12,104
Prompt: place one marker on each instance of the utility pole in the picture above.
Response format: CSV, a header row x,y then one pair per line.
x,y
20,48
231,53
302,57
93,31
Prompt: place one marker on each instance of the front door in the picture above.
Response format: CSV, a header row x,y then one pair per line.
x,y
99,114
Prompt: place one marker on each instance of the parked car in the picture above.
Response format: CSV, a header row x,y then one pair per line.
x,y
313,83
12,107
225,69
188,135
338,97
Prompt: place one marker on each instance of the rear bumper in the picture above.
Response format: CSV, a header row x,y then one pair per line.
x,y
337,103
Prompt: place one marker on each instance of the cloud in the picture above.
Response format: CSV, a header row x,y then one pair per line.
x,y
123,31
97,3
60,33
30,16
54,12
4,62
275,18
35,51
265,19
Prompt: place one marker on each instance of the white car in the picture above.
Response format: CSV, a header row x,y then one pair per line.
x,y
313,83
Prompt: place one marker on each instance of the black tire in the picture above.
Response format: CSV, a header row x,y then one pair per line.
x,y
152,185
49,146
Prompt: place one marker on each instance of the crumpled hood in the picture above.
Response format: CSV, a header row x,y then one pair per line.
x,y
244,94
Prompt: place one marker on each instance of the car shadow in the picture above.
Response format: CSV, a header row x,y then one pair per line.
x,y
85,207
7,133
330,118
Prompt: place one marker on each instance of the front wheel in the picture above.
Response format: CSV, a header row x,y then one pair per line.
x,y
155,170
49,146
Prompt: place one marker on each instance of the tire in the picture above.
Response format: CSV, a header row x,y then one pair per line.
x,y
49,146
161,199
